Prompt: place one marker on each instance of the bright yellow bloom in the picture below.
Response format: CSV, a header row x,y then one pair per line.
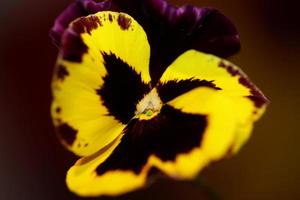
x,y
124,124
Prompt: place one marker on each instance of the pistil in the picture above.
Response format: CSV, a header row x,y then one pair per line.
x,y
149,106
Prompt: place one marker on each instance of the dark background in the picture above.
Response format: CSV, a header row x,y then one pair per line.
x,y
33,163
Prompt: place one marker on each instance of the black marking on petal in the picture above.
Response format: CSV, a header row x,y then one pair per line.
x,y
110,17
168,134
86,24
174,88
67,133
62,72
122,89
256,95
230,69
124,22
58,110
73,47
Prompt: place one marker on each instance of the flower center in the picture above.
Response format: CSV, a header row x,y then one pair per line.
x,y
149,106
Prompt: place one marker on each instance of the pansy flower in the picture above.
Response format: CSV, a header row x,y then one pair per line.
x,y
137,91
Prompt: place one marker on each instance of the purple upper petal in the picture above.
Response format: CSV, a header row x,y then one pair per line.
x,y
171,30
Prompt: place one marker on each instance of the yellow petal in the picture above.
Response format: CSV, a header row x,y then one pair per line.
x,y
83,179
249,102
92,95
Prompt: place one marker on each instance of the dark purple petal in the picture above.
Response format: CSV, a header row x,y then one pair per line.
x,y
171,30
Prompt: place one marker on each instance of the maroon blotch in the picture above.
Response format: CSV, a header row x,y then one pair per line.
x,y
110,17
256,96
73,47
124,22
58,110
86,24
62,72
67,133
231,70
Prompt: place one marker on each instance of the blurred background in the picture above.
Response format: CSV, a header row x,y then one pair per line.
x,y
33,163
